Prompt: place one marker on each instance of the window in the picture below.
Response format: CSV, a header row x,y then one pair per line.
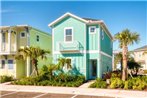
x,y
22,34
3,38
2,64
102,34
68,34
10,64
92,29
37,38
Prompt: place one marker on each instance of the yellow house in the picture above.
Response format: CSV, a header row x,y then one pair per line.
x,y
14,37
140,56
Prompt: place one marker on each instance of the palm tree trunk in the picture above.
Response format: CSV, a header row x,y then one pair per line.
x,y
34,62
124,74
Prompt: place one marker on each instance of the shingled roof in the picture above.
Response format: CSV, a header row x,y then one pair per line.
x,y
141,48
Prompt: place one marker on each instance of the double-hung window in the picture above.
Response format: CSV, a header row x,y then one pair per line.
x,y
10,64
68,34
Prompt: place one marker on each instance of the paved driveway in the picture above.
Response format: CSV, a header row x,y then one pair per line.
x,y
14,94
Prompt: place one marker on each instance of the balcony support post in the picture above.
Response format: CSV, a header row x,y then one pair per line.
x,y
1,40
9,40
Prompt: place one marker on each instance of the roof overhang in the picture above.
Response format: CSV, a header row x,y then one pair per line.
x,y
65,15
100,22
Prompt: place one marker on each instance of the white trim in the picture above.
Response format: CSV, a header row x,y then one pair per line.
x,y
99,39
103,53
65,15
53,41
90,29
1,40
84,52
9,40
23,32
106,30
71,35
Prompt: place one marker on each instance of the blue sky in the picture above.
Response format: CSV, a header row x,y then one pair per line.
x,y
116,15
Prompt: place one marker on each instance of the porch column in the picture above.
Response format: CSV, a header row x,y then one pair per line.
x,y
28,66
15,42
9,40
0,40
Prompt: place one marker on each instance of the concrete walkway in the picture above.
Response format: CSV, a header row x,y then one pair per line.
x,y
87,84
76,91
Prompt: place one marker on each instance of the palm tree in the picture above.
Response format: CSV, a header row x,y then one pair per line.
x,y
62,62
118,59
126,38
34,53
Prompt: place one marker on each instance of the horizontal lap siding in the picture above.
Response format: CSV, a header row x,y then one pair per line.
x,y
105,64
77,61
106,43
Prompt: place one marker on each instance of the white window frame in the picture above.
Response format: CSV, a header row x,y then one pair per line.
x,y
8,64
65,34
21,33
90,30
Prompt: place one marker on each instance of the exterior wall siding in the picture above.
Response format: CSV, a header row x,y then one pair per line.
x,y
105,64
78,31
6,70
45,42
92,39
92,45
106,43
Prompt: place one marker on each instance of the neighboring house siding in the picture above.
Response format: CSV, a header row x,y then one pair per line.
x,y
44,42
106,42
19,67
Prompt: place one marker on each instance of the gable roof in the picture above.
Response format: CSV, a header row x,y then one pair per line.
x,y
65,15
141,48
85,20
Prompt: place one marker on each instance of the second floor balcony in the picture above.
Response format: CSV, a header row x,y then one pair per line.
x,y
8,48
70,47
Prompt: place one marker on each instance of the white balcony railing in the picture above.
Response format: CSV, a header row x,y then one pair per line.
x,y
74,46
6,50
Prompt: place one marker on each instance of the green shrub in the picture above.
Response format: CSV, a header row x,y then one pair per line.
x,y
5,78
99,83
58,80
116,83
136,83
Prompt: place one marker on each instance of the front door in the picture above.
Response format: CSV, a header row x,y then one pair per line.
x,y
93,69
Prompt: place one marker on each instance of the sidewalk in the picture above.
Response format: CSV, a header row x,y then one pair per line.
x,y
76,91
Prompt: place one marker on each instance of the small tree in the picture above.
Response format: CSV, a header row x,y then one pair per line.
x,y
62,62
34,53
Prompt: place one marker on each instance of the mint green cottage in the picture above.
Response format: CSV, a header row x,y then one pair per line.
x,y
87,42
